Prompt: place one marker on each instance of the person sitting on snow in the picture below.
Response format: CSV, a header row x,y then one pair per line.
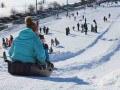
x,y
27,47
34,27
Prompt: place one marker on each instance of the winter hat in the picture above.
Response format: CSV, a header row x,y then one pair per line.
x,y
42,38
34,27
28,21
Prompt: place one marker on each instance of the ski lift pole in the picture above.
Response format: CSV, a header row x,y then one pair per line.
x,y
67,7
37,15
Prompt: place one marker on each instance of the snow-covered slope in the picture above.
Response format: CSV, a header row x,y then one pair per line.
x,y
84,62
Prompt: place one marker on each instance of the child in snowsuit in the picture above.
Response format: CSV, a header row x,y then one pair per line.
x,y
11,40
52,42
109,15
3,43
73,28
45,46
56,42
7,42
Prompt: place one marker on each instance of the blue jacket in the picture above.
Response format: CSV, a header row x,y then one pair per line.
x,y
27,47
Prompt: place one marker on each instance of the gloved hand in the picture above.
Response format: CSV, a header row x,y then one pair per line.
x,y
50,64
42,66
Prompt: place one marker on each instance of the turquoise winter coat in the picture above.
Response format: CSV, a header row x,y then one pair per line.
x,y
27,47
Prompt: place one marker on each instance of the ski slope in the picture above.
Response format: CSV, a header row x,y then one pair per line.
x,y
84,62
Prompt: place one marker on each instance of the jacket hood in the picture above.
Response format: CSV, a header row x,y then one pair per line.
x,y
27,33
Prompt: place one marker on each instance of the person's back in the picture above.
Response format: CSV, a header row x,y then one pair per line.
x,y
27,47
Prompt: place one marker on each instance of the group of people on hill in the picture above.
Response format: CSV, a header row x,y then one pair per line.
x,y
7,42
74,15
84,26
44,29
105,18
54,42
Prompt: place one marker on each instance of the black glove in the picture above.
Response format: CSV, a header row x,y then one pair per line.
x,y
50,64
42,66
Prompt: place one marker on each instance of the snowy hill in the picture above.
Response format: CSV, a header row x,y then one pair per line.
x,y
84,62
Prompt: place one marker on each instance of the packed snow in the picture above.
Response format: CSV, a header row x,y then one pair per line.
x,y
84,62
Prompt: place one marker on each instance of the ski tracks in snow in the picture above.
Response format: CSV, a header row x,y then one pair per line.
x,y
68,55
95,61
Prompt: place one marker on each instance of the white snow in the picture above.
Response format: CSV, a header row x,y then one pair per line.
x,y
84,62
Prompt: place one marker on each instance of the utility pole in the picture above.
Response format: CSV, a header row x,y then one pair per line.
x,y
67,7
37,22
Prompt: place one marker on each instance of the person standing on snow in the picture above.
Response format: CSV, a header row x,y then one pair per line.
x,y
109,15
47,30
92,28
104,18
82,26
52,42
95,25
40,29
3,43
77,13
56,42
78,25
86,28
67,31
7,42
44,29
83,17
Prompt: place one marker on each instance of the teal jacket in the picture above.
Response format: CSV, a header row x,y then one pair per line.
x,y
27,47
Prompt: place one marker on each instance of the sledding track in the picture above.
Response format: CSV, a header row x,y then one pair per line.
x,y
69,55
103,57
100,58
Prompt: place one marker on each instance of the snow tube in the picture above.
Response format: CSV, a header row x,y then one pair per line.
x,y
27,69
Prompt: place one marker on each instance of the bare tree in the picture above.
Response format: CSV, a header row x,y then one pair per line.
x,y
41,5
50,6
56,4
31,8
13,11
2,4
82,2
44,1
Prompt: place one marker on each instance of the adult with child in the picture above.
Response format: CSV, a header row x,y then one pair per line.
x,y
27,48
